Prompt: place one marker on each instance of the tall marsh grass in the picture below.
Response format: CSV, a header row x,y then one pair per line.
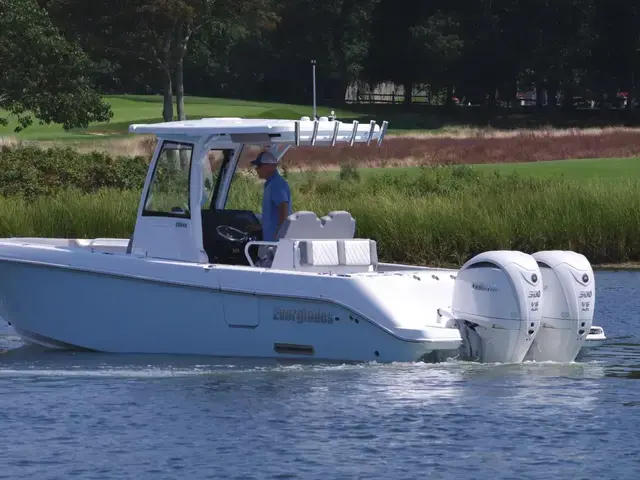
x,y
437,216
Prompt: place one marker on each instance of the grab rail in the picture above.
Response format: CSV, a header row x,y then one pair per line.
x,y
256,242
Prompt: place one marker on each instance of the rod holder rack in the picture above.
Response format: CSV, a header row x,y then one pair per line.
x,y
336,129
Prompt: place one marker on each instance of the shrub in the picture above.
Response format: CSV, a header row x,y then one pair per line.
x,y
29,172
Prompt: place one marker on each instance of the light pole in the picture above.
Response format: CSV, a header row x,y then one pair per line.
x,y
313,72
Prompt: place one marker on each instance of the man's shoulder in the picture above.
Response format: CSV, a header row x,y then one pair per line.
x,y
279,181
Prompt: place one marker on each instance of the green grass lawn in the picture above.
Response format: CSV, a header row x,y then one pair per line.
x,y
573,169
130,109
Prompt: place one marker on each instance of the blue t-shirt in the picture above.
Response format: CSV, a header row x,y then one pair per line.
x,y
276,191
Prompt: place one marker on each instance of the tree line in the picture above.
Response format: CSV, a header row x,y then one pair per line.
x,y
56,55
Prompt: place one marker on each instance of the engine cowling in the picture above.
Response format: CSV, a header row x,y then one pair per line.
x,y
567,313
497,301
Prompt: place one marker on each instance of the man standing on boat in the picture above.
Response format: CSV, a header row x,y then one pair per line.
x,y
276,201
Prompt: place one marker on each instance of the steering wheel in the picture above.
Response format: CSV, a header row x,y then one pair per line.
x,y
232,234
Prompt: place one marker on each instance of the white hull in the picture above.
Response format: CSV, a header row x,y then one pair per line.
x,y
61,307
59,294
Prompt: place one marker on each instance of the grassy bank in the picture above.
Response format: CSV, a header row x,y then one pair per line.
x,y
435,216
409,142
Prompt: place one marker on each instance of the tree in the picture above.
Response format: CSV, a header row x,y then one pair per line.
x,y
615,57
41,73
335,33
168,26
154,34
230,55
392,53
561,53
438,47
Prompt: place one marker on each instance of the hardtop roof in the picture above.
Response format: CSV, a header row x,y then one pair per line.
x,y
270,130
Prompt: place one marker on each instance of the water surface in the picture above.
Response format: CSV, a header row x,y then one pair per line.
x,y
87,415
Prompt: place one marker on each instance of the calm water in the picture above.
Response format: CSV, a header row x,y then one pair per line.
x,y
104,416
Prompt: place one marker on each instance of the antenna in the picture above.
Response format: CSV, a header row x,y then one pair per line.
x,y
313,70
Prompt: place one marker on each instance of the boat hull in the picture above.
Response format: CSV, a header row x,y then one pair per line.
x,y
60,295
59,307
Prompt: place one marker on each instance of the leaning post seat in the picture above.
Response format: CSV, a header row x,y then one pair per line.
x,y
339,255
326,255
308,243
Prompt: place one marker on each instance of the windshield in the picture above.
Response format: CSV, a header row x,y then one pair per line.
x,y
169,190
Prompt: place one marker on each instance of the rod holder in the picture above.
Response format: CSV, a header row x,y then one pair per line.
x,y
297,133
336,128
372,127
314,135
383,132
280,154
354,132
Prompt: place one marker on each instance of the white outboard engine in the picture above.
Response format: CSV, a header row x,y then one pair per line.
x,y
497,301
567,313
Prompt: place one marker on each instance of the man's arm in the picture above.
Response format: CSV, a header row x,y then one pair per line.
x,y
283,213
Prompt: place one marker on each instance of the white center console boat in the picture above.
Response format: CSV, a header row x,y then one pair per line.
x,y
187,282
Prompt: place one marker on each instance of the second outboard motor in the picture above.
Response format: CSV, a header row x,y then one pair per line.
x,y
567,314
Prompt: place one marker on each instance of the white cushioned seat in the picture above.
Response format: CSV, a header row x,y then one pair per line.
x,y
336,256
319,253
357,252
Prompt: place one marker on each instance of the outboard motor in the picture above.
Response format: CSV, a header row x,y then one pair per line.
x,y
567,313
497,302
